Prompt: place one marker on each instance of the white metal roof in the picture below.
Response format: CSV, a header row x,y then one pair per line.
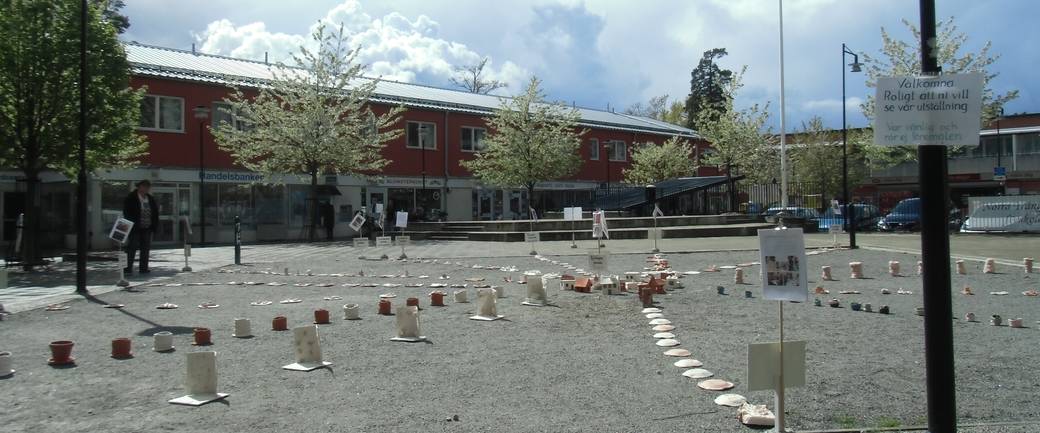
x,y
153,61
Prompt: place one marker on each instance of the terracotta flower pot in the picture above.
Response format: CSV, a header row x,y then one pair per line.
x,y
437,299
385,307
412,302
61,352
321,316
280,323
202,337
121,348
647,297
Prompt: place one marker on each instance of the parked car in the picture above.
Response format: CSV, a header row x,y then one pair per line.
x,y
867,216
906,216
809,214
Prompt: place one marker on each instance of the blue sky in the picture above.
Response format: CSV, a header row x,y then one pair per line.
x,y
615,52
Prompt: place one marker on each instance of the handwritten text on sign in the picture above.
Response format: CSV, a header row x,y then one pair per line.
x,y
943,110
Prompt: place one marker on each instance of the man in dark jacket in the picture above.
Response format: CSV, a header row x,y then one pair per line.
x,y
140,208
328,219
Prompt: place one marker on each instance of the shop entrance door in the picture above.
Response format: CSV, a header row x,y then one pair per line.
x,y
168,231
375,196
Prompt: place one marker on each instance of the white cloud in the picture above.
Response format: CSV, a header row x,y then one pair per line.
x,y
393,46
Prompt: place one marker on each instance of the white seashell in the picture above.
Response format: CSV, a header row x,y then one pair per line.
x,y
651,310
664,335
660,322
663,328
654,316
688,363
697,373
715,385
731,400
667,342
677,352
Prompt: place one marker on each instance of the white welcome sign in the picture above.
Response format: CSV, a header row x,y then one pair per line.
x,y
943,110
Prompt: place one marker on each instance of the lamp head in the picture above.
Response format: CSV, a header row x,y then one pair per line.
x,y
856,66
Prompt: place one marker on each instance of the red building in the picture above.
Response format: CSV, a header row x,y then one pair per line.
x,y
424,176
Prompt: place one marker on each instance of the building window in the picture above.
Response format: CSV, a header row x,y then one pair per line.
x,y
616,150
1027,144
422,135
473,139
993,146
594,149
162,113
222,114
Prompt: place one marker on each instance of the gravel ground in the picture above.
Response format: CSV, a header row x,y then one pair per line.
x,y
587,363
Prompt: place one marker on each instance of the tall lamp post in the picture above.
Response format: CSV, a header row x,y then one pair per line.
x,y
606,158
201,114
81,178
850,210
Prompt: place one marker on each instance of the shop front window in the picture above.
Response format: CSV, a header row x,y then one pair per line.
x,y
112,196
269,200
236,200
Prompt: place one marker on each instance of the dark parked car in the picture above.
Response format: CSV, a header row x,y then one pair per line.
x,y
808,214
867,216
906,216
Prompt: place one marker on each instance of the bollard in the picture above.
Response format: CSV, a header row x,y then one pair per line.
x,y
238,240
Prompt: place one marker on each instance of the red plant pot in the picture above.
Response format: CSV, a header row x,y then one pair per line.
x,y
384,307
202,337
121,348
280,323
61,352
321,316
646,295
437,299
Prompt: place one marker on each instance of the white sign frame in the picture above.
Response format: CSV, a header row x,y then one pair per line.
x,y
784,251
943,110
361,242
403,240
401,219
764,365
384,241
599,261
357,222
121,230
532,236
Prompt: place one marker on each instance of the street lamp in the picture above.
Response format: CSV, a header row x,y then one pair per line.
x,y
606,158
850,215
201,114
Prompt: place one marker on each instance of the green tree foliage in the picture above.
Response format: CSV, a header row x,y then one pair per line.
x,y
815,154
708,83
899,57
39,96
658,107
652,162
530,141
110,10
312,118
471,78
740,141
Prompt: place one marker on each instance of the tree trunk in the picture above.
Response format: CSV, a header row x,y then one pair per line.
x,y
732,191
530,201
31,232
312,202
